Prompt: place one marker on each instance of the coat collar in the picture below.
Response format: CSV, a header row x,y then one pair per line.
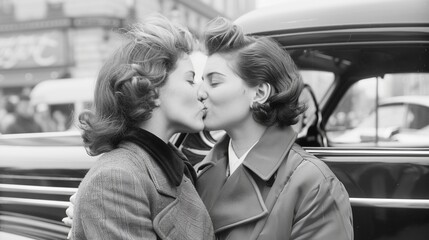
x,y
264,158
267,155
237,199
218,152
162,184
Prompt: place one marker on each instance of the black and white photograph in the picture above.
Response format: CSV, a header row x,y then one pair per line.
x,y
214,119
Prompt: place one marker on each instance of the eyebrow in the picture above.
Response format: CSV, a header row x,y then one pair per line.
x,y
192,72
212,73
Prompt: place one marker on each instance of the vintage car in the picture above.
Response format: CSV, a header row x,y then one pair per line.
x,y
402,121
352,55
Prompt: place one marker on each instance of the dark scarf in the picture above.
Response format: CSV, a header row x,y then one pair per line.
x,y
172,162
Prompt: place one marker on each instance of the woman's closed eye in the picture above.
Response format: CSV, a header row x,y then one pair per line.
x,y
191,82
215,79
190,78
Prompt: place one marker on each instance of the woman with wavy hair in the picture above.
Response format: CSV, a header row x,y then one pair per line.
x,y
141,187
256,182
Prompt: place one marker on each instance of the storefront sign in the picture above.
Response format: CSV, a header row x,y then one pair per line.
x,y
32,50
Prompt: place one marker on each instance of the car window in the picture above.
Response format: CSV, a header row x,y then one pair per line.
x,y
386,111
319,81
417,117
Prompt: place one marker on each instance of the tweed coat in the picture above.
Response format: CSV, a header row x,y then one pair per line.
x,y
126,195
279,192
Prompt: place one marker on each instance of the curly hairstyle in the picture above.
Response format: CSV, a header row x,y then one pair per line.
x,y
128,82
259,60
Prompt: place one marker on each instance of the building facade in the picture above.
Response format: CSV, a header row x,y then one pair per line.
x,y
55,39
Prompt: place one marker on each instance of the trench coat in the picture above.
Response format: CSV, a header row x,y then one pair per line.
x,y
279,192
126,195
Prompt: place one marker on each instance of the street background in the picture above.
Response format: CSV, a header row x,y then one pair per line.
x,y
47,40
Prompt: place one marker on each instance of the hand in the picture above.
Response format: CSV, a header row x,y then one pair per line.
x,y
69,212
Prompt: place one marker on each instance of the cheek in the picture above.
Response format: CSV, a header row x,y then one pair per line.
x,y
189,96
227,107
186,99
228,99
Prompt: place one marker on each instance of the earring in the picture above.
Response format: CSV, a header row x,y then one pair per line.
x,y
254,105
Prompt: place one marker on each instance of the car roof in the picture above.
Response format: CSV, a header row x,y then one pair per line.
x,y
316,14
417,100
63,91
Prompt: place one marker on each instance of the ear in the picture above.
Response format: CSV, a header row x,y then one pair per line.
x,y
263,92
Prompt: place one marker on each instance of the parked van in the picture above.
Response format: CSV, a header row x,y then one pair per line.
x,y
62,100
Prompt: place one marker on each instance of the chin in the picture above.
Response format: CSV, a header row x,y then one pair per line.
x,y
198,127
190,127
211,127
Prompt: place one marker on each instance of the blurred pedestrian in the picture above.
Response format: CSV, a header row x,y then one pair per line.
x,y
7,116
61,120
43,118
256,182
23,120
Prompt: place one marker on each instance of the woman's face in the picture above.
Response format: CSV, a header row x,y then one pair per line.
x,y
178,99
226,96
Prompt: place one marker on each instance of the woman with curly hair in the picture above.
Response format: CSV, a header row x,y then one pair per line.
x,y
141,187
256,182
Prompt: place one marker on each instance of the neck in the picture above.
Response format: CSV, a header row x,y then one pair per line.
x,y
244,136
157,127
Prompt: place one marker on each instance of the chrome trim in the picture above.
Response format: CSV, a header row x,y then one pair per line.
x,y
11,176
357,153
37,189
57,227
34,202
354,43
357,202
73,133
205,140
390,203
197,151
369,152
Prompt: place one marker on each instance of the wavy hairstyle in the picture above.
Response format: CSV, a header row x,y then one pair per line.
x,y
259,60
128,82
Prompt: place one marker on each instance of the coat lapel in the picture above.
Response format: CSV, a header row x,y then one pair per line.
x,y
237,200
228,199
184,216
212,173
270,151
161,182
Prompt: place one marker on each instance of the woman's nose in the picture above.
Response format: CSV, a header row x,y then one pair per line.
x,y
201,91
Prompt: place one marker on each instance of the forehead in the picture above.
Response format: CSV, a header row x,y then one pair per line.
x,y
217,63
184,63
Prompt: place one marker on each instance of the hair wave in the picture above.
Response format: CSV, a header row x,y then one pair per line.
x,y
260,60
128,82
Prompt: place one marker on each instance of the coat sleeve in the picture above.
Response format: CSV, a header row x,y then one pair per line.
x,y
324,212
112,205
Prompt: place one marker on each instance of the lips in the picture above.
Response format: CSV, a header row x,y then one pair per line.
x,y
204,110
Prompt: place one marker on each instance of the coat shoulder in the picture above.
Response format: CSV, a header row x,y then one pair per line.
x,y
310,164
117,164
